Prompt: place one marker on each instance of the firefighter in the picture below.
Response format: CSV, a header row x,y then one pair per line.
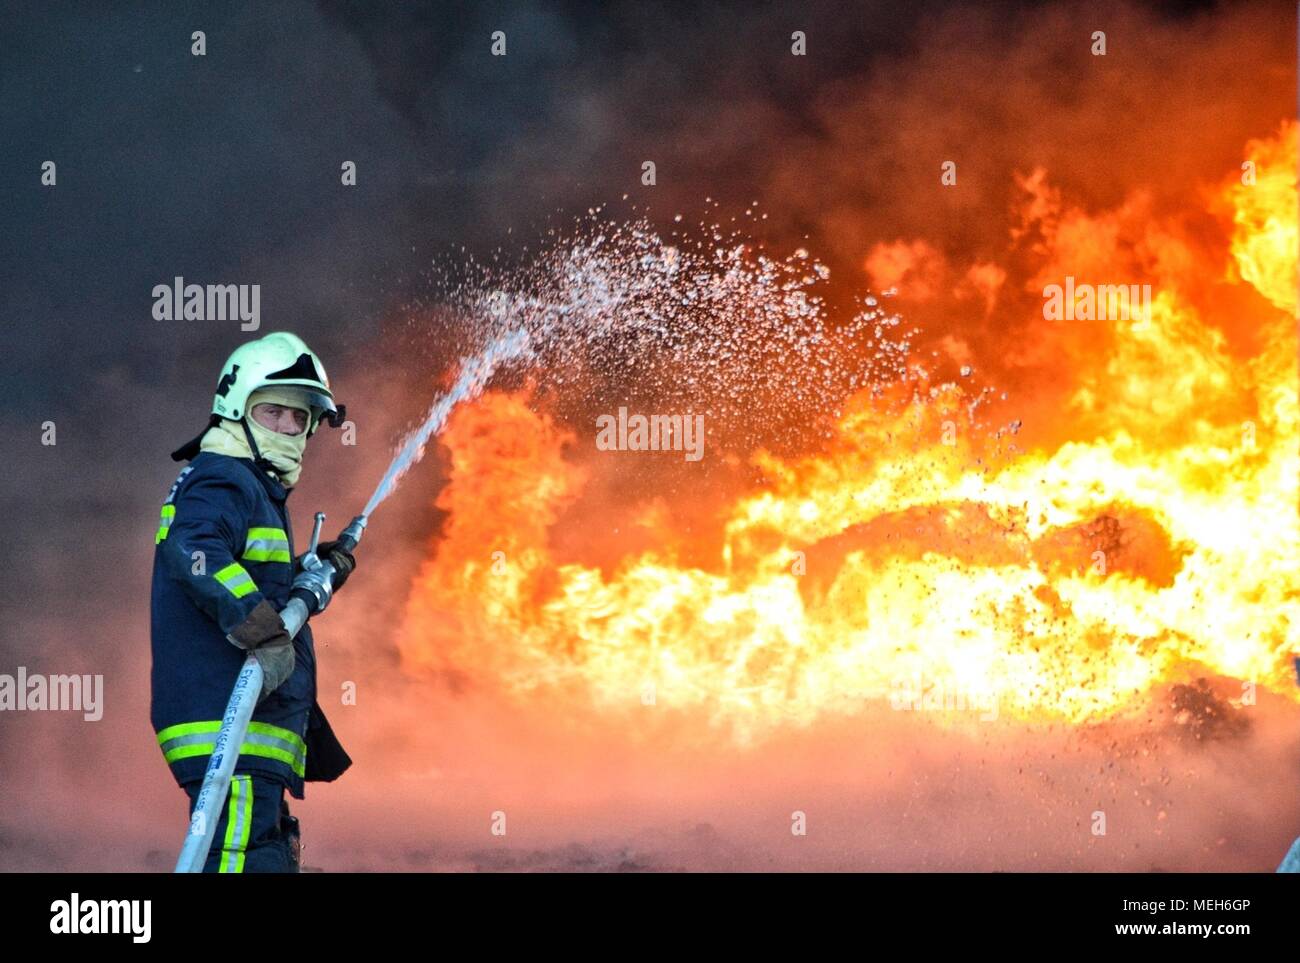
x,y
223,569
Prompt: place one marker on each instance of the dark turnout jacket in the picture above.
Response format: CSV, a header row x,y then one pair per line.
x,y
223,545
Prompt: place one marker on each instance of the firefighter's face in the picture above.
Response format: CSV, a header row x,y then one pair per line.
x,y
285,420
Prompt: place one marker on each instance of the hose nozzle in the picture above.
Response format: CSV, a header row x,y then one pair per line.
x,y
352,534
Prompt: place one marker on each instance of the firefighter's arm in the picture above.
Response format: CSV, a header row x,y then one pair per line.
x,y
201,553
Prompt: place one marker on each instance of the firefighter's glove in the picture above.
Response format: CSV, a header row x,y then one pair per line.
x,y
313,588
263,634
340,558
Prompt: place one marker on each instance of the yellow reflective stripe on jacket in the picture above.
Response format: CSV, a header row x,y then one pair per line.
x,y
267,545
239,822
165,523
236,578
262,739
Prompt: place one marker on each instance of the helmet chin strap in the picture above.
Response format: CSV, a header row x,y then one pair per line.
x,y
258,460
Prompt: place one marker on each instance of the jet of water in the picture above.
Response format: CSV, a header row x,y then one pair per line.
x,y
474,375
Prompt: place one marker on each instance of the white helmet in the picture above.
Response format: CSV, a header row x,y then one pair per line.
x,y
278,360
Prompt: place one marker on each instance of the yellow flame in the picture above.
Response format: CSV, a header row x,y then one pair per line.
x,y
1061,583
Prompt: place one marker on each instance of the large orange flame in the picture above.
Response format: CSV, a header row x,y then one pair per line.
x,y
1153,533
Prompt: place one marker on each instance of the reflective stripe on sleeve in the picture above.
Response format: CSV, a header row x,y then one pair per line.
x,y
236,578
165,523
267,545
